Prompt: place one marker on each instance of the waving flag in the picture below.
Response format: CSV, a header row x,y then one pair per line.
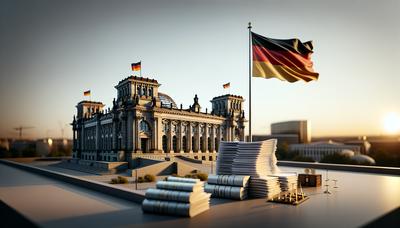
x,y
136,66
287,60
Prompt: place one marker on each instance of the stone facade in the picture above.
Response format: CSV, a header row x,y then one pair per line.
x,y
146,123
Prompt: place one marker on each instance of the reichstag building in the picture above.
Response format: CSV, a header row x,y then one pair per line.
x,y
144,122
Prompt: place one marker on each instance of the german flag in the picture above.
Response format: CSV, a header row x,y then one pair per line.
x,y
136,66
287,60
227,85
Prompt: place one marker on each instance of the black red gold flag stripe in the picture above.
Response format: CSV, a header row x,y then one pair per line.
x,y
86,93
288,60
136,66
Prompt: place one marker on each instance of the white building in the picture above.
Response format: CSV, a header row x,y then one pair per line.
x,y
319,150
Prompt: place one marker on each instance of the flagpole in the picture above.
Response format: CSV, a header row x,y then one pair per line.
x,y
250,135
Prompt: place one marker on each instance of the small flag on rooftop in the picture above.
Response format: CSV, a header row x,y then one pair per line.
x,y
136,66
86,93
288,60
227,85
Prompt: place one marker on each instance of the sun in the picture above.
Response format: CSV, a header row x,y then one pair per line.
x,y
391,123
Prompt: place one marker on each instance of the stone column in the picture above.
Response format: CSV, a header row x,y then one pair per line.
x,y
212,137
159,134
205,138
197,136
189,137
123,132
97,138
135,132
227,133
82,143
179,137
169,146
130,129
218,138
154,138
242,134
114,136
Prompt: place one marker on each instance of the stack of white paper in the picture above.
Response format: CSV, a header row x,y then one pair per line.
x,y
177,196
255,158
288,181
264,187
227,186
226,153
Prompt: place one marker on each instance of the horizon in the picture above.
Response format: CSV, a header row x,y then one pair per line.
x,y
53,51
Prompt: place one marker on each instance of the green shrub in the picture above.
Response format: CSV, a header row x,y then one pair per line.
x,y
140,180
114,181
119,180
122,180
202,176
149,178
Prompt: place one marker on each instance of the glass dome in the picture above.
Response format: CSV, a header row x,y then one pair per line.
x,y
166,100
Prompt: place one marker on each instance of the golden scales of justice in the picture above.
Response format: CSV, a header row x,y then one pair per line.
x,y
292,197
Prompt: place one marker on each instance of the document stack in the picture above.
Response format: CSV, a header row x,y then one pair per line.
x,y
288,181
256,159
177,196
264,187
227,152
227,186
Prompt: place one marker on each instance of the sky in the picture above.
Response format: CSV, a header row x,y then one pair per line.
x,y
51,51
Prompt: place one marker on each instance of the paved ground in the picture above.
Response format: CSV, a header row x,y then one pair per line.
x,y
52,165
359,199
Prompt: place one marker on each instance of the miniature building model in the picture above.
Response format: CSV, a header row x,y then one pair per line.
x,y
144,122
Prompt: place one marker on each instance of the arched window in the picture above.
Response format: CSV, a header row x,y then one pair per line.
x,y
201,144
165,144
184,144
193,143
174,144
144,126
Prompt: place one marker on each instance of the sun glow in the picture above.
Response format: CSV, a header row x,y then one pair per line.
x,y
391,123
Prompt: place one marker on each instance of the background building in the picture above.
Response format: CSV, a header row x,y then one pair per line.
x,y
53,147
146,123
287,133
318,150
283,139
301,128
